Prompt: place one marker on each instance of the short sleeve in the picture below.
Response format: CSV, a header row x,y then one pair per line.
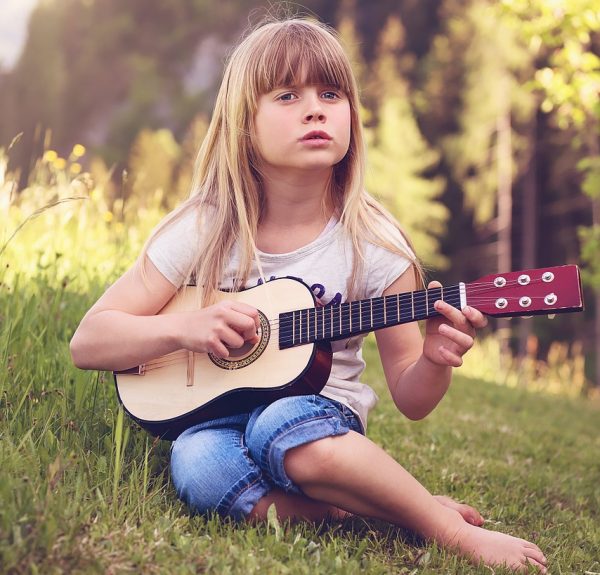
x,y
173,251
384,267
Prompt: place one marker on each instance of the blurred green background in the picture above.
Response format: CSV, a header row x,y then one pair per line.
x,y
482,120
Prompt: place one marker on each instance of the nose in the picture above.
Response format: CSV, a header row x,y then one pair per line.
x,y
317,116
314,112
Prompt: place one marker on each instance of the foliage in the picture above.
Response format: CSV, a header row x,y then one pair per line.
x,y
86,491
400,160
563,35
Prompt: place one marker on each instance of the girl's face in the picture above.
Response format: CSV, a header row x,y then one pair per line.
x,y
302,128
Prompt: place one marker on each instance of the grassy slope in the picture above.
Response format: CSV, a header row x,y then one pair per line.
x,y
84,491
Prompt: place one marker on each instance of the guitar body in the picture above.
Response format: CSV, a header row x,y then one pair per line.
x,y
293,356
172,393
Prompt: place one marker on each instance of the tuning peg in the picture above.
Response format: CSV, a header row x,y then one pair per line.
x,y
526,316
551,315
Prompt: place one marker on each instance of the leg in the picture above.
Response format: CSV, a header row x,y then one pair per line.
x,y
211,469
339,470
296,507
283,425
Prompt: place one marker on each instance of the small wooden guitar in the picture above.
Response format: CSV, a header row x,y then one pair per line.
x,y
293,354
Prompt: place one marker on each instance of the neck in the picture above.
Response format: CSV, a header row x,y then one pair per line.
x,y
350,319
293,199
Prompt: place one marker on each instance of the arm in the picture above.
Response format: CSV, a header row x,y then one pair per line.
x,y
122,330
418,372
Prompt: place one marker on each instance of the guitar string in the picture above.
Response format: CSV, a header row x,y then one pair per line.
x,y
181,356
478,290
474,299
419,307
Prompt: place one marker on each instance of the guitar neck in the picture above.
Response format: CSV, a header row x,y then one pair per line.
x,y
353,318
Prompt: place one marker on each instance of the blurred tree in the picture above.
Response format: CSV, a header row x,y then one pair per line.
x,y
564,38
154,156
400,160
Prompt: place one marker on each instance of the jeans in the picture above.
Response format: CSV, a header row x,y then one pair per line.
x,y
227,465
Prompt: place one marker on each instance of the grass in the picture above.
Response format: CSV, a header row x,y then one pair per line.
x,y
84,490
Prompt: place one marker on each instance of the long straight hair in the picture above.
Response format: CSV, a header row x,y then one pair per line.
x,y
226,188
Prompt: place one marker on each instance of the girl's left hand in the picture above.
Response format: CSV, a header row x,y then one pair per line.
x,y
449,336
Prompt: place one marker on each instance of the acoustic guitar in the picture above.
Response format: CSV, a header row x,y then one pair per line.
x,y
293,354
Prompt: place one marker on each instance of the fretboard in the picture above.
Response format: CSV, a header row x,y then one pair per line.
x,y
353,318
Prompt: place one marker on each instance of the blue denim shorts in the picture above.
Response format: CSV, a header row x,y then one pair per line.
x,y
227,465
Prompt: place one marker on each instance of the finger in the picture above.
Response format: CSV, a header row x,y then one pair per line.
x,y
536,564
433,284
243,324
475,317
453,314
450,358
231,338
248,310
463,340
217,348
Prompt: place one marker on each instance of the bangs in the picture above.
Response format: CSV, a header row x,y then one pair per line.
x,y
301,53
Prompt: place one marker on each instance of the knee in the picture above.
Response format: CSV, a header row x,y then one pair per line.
x,y
193,472
310,462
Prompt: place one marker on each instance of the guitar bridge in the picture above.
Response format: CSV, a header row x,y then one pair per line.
x,y
137,370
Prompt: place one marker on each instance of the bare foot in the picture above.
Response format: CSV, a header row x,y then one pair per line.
x,y
468,513
496,549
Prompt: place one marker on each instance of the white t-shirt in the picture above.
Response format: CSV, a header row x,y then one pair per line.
x,y
325,265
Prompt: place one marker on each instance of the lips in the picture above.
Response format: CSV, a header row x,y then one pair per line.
x,y
316,135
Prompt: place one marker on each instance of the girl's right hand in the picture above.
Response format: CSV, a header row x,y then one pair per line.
x,y
214,329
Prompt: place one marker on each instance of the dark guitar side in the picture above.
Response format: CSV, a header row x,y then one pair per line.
x,y
311,381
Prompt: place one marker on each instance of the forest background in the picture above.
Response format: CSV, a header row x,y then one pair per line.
x,y
482,120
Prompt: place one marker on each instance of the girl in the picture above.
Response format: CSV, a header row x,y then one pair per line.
x,y
279,192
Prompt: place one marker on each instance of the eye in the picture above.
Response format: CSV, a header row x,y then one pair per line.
x,y
331,95
287,97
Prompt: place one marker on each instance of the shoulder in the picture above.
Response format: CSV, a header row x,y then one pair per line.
x,y
387,252
174,244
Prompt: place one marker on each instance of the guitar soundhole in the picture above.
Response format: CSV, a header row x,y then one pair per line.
x,y
248,353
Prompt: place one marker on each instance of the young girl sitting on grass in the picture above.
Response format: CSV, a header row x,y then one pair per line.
x,y
279,192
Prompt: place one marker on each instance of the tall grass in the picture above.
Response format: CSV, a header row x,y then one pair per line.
x,y
84,490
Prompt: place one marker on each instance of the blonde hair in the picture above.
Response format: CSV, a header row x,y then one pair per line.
x,y
227,180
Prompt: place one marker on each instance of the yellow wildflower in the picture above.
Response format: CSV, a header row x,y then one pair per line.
x,y
78,150
108,217
60,163
75,168
50,156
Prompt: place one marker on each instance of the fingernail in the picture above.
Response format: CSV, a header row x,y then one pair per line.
x,y
467,309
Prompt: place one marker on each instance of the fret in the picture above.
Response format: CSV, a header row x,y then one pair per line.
x,y
304,326
384,312
355,323
392,310
406,307
331,320
419,300
360,315
347,320
453,296
344,320
379,313
350,305
436,294
366,322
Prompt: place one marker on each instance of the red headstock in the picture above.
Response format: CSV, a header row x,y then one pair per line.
x,y
527,292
